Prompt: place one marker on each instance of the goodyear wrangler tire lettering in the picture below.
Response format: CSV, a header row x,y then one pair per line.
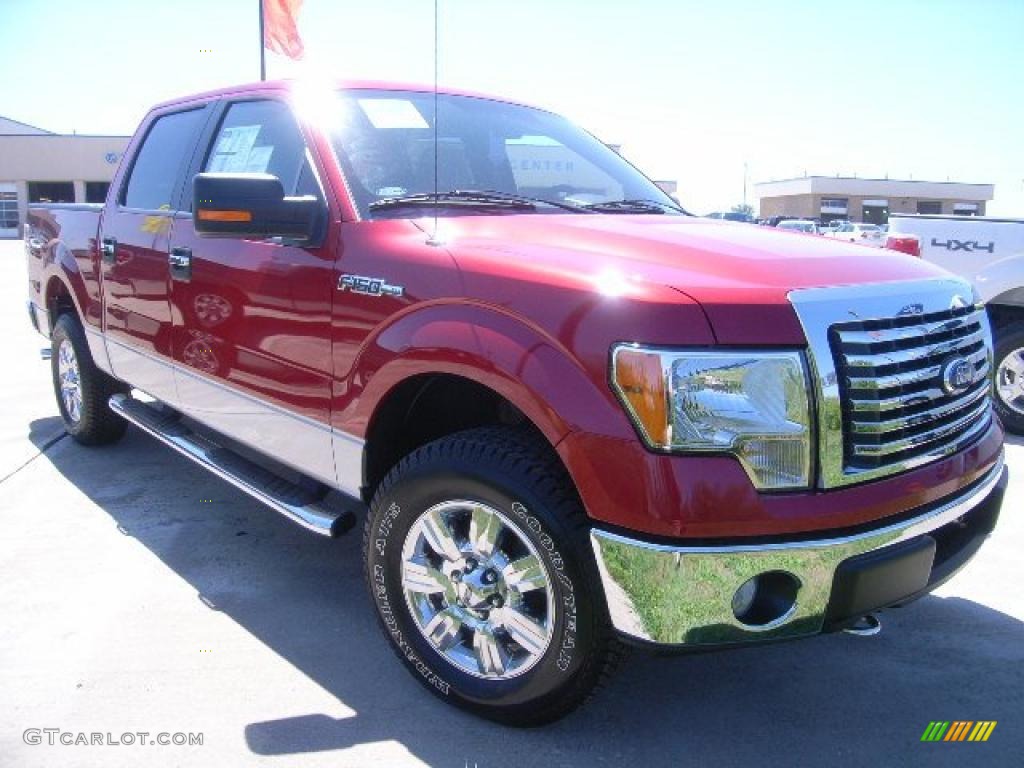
x,y
479,564
568,639
388,617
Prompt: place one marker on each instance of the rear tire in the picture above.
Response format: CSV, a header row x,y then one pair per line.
x,y
1008,381
82,389
519,645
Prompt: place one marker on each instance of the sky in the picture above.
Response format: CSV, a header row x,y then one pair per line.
x,y
693,91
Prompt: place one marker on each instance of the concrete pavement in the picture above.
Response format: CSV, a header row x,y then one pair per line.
x,y
139,593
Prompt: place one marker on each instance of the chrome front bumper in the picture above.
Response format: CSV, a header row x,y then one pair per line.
x,y
682,596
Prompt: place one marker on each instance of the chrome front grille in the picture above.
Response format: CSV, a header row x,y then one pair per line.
x,y
890,372
900,374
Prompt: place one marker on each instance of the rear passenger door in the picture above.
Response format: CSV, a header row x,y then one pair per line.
x,y
251,335
135,237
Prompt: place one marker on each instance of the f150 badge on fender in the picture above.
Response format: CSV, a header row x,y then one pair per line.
x,y
370,286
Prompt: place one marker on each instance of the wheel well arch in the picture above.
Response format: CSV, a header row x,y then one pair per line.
x,y
58,299
1006,309
426,407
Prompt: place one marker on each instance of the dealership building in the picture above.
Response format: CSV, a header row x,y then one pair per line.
x,y
37,166
826,198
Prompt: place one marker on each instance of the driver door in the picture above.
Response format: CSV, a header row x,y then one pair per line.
x,y
252,318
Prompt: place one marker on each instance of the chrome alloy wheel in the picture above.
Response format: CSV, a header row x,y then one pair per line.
x,y
477,589
70,381
1010,381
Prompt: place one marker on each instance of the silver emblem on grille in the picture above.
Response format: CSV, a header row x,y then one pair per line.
x,y
957,375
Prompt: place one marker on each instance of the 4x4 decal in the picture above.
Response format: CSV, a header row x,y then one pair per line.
x,y
964,245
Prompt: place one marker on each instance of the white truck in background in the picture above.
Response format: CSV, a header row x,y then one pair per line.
x,y
990,253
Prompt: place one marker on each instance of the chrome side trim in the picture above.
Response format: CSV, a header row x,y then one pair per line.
x,y
97,348
683,595
302,443
142,370
308,446
348,462
258,483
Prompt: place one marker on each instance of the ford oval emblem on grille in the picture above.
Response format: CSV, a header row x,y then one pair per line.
x,y
957,375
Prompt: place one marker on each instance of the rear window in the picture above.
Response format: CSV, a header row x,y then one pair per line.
x,y
158,163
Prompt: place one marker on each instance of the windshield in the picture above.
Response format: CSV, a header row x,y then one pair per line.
x,y
384,141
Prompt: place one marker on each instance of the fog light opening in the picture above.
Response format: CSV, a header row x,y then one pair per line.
x,y
766,600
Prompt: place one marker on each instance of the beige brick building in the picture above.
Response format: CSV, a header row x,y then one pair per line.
x,y
826,198
39,166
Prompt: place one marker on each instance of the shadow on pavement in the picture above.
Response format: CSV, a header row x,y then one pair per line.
x,y
834,699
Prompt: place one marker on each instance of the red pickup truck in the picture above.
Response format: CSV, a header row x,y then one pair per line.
x,y
575,417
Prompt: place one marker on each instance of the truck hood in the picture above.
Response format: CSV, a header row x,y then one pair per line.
x,y
740,274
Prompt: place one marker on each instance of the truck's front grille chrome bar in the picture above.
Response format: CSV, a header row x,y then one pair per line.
x,y
895,359
902,373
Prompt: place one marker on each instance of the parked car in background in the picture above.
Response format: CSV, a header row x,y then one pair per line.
x,y
855,232
903,242
990,253
731,216
798,225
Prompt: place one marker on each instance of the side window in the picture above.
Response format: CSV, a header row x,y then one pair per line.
x,y
262,137
158,162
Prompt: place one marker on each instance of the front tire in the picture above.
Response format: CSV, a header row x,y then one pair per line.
x,y
478,560
81,388
1009,377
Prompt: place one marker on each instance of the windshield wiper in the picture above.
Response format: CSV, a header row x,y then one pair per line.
x,y
453,198
491,194
470,197
632,206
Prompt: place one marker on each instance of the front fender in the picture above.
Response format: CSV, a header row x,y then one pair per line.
x,y
492,347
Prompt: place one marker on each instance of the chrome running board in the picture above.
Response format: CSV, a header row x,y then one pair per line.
x,y
294,502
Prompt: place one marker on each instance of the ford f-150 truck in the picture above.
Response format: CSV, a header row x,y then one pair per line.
x,y
989,252
575,417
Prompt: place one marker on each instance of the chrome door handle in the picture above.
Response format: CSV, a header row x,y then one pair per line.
x,y
180,261
109,250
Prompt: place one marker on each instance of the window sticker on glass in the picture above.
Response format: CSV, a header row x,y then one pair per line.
x,y
392,113
258,160
231,155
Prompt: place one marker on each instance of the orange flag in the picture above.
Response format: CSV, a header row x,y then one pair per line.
x,y
280,29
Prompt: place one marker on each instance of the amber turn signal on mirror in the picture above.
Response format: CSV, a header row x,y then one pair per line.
x,y
208,215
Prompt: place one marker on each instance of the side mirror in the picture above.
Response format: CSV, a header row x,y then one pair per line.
x,y
251,205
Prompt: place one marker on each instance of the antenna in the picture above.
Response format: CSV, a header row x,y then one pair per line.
x,y
433,239
263,47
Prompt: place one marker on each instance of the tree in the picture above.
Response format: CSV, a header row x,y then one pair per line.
x,y
745,209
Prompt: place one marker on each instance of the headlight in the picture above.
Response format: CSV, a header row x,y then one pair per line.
x,y
753,405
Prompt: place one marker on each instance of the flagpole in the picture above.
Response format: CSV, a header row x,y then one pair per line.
x,y
263,50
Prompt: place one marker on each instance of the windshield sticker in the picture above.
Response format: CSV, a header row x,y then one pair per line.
x,y
258,160
392,113
231,155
